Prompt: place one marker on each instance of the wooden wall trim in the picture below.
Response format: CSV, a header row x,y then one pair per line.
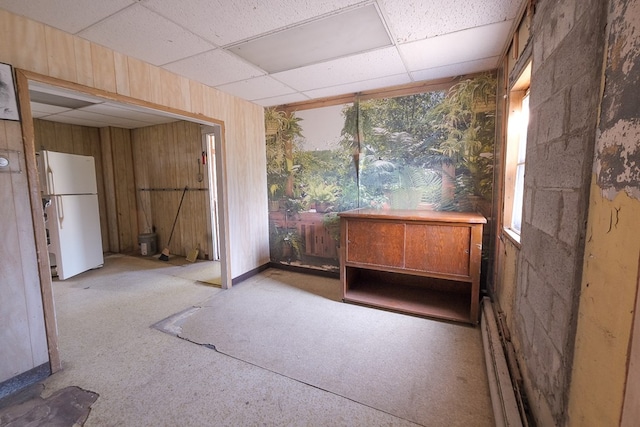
x,y
111,96
223,209
389,92
37,213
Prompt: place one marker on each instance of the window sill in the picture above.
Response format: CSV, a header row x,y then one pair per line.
x,y
512,236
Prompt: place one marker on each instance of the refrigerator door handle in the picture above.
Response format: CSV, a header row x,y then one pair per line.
x,y
60,210
50,182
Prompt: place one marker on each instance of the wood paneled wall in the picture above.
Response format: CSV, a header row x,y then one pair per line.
x,y
59,55
45,54
167,158
121,196
23,343
74,139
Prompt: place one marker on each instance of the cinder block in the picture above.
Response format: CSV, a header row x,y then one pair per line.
x,y
540,297
552,260
546,211
541,84
583,103
560,164
573,218
560,21
560,325
549,119
578,53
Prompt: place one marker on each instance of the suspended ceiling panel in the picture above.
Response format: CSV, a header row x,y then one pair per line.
x,y
270,51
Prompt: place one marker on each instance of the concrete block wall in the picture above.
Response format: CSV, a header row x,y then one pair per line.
x,y
568,46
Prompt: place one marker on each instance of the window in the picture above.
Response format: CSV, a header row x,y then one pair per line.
x,y
516,154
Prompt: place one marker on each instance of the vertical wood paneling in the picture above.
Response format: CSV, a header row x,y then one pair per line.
x,y
121,67
104,72
18,32
166,156
84,65
64,137
124,186
60,54
175,90
155,83
196,96
56,54
109,189
15,351
139,73
27,251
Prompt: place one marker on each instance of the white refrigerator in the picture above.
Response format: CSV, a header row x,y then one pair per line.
x,y
72,217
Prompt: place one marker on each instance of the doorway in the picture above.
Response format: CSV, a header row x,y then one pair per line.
x,y
209,161
112,102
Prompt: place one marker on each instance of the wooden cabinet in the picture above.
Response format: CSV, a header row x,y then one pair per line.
x,y
420,262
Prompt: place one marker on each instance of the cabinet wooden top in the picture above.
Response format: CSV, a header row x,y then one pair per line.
x,y
415,215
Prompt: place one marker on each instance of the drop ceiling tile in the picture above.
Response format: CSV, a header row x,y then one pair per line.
x,y
366,66
417,20
62,118
339,35
223,22
463,46
215,67
39,108
388,81
100,120
257,88
62,92
145,35
459,69
68,15
116,111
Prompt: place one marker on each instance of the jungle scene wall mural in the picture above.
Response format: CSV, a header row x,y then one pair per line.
x,y
431,150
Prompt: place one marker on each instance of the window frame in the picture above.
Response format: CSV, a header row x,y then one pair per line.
x,y
513,157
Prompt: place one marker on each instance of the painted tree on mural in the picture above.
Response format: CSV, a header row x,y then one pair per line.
x,y
431,150
410,145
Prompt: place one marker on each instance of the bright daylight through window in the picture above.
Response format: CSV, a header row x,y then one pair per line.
x,y
516,153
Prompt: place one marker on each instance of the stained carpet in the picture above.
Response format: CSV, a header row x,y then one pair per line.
x,y
69,406
424,371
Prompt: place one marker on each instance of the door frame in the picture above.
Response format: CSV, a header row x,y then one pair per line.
x,y
28,134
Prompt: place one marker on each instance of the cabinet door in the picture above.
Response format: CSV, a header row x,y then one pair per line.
x,y
438,248
375,242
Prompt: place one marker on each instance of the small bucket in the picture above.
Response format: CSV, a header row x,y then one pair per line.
x,y
147,243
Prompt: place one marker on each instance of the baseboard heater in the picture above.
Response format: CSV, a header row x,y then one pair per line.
x,y
506,410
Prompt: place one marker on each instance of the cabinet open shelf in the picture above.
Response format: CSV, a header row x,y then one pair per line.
x,y
417,295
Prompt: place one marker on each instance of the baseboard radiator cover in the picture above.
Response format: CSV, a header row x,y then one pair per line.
x,y
503,396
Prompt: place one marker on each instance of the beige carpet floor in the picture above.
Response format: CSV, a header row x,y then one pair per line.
x,y
145,377
420,370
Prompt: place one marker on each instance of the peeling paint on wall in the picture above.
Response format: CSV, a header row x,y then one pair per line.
x,y
617,164
618,159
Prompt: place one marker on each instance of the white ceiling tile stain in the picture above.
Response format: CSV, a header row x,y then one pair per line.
x,y
430,39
